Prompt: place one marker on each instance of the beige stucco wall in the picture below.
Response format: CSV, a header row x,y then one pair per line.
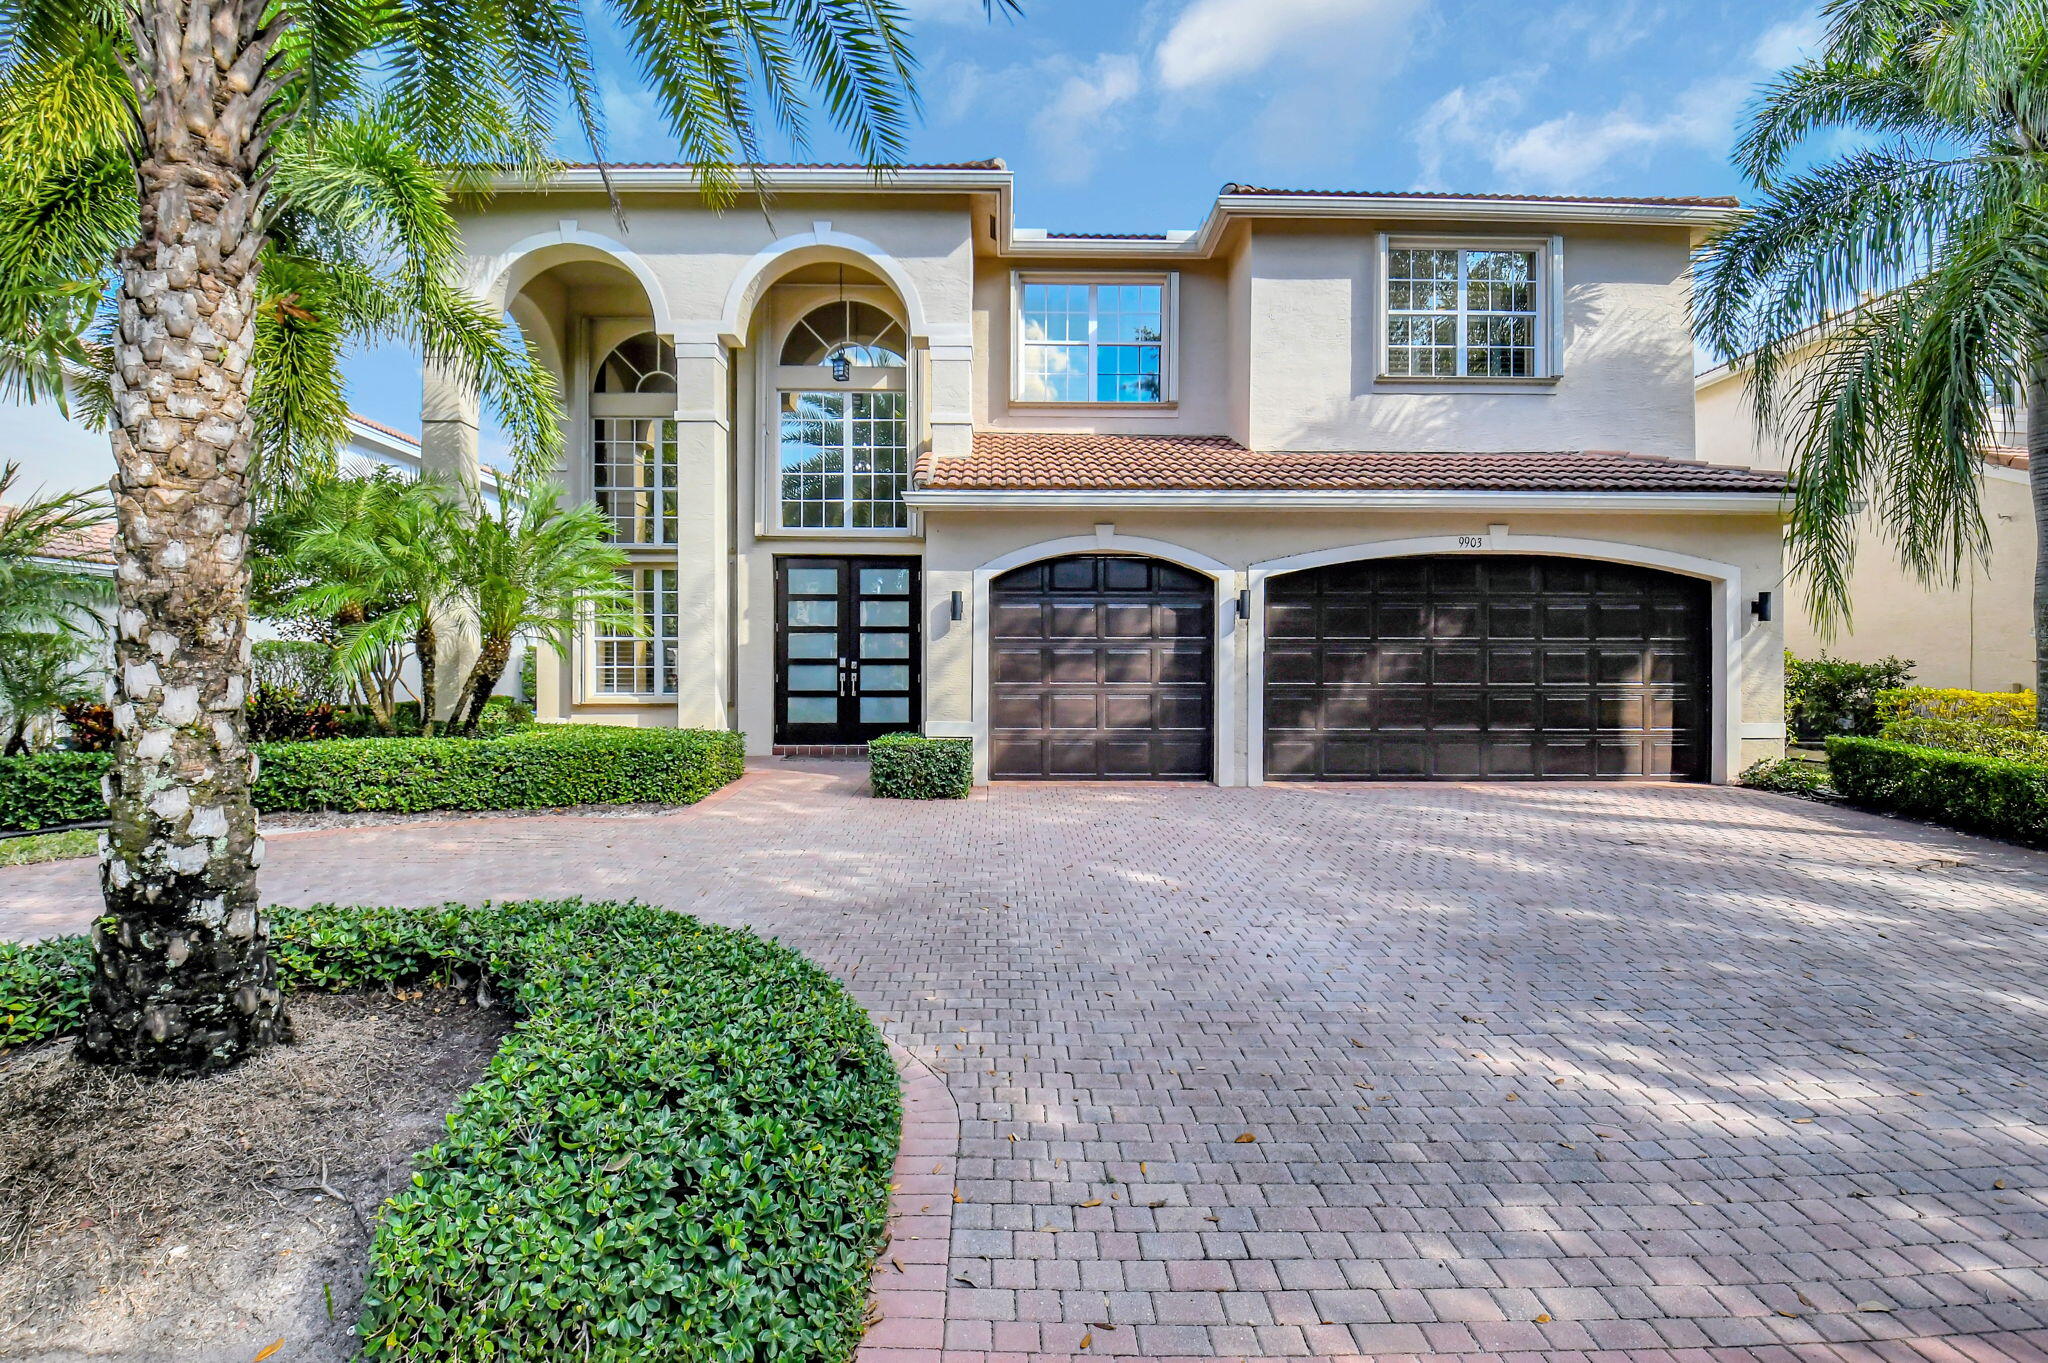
x,y
1976,634
958,542
1313,351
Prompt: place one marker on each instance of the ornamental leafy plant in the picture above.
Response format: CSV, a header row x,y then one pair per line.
x,y
682,1150
1970,791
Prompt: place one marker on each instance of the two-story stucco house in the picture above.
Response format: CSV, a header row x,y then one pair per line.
x,y
1334,486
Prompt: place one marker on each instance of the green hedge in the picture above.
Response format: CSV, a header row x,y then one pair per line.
x,y
913,767
555,764
1979,794
682,1150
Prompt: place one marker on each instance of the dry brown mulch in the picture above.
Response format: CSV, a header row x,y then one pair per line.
x,y
206,1219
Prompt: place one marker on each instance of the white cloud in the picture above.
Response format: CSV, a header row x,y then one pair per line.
x,y
1081,116
1222,40
1575,150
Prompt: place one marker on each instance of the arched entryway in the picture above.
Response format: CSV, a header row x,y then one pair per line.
x,y
1102,667
1487,667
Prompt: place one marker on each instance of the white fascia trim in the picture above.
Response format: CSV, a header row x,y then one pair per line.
x,y
84,566
1705,503
631,179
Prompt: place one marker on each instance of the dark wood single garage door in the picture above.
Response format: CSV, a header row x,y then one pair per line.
x,y
1099,668
1486,668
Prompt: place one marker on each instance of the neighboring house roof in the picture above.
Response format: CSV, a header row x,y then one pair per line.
x,y
988,163
1070,461
2006,456
94,544
391,431
1718,201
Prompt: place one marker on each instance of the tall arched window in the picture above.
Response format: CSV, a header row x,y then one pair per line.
x,y
845,452
633,445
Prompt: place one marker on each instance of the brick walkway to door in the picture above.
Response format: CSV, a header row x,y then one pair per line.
x,y
1336,1071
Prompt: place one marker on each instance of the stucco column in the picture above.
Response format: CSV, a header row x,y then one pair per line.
x,y
448,452
949,661
704,568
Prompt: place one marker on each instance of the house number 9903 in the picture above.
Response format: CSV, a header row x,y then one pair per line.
x,y
1471,541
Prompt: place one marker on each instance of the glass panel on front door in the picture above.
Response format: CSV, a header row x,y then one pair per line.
x,y
846,665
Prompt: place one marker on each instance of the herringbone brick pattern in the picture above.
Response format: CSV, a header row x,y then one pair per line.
x,y
1630,1073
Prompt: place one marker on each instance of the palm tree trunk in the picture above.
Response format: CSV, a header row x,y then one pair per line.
x,y
424,647
2037,480
183,980
483,679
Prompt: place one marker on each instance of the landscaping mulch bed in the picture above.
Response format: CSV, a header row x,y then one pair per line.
x,y
208,1219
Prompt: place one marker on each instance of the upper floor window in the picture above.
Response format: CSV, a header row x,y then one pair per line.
x,y
843,430
633,439
1102,340
860,333
1464,312
645,363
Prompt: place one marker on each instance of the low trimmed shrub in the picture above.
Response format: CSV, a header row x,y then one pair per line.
x,y
1787,776
1963,735
533,768
1993,795
681,1151
1827,696
913,767
1992,709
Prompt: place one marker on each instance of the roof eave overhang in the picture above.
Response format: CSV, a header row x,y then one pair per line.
x,y
1338,499
681,179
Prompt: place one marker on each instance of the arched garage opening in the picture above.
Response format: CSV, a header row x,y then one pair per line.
x,y
1494,666
1102,667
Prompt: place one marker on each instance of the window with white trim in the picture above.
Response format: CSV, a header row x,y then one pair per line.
x,y
642,664
1464,312
1093,341
633,477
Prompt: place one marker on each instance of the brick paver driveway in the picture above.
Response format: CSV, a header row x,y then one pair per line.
x,y
1537,1069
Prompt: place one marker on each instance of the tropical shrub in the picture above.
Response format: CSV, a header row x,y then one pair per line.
x,y
1978,794
302,665
682,1151
1787,776
1995,709
538,767
913,767
1962,735
285,714
91,726
1826,696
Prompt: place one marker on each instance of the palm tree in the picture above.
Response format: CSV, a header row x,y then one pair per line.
x,y
1894,296
39,674
253,182
383,556
534,569
38,593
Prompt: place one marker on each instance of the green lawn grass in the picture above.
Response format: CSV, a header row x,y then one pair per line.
x,y
79,842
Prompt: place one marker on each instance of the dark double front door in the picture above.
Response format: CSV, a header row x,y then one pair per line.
x,y
846,648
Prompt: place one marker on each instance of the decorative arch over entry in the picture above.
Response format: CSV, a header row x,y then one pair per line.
x,y
1724,634
517,269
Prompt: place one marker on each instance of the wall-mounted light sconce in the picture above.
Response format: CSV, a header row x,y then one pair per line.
x,y
1761,607
842,368
959,605
1244,604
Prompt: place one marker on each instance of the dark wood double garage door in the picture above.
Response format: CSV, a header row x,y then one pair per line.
x,y
1432,668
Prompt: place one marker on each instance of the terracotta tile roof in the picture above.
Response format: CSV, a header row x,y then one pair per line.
x,y
1715,202
95,544
1072,461
1105,236
2006,456
391,431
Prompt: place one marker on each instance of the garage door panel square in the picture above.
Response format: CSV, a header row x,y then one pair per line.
x,y
1182,620
1401,709
1352,707
1072,666
1457,620
1126,575
1350,620
1075,574
1458,759
1016,620
1511,666
1510,758
1400,666
1020,757
1567,667
1127,620
1015,664
1450,709
1461,576
1457,666
1293,707
1009,711
1185,660
1128,710
1292,757
1621,710
1563,757
1513,576
1403,620
1621,620
1185,759
1511,712
1288,664
1567,620
1621,665
1567,711
1127,665
1394,757
1290,619
1125,757
1074,620
1073,710
1511,620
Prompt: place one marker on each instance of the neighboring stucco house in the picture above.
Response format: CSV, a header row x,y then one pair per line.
x,y
1977,634
1334,486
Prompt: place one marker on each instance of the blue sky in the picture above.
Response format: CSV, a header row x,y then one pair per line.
x,y
1128,115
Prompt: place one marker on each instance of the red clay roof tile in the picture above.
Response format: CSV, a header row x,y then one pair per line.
x,y
1719,201
1062,460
